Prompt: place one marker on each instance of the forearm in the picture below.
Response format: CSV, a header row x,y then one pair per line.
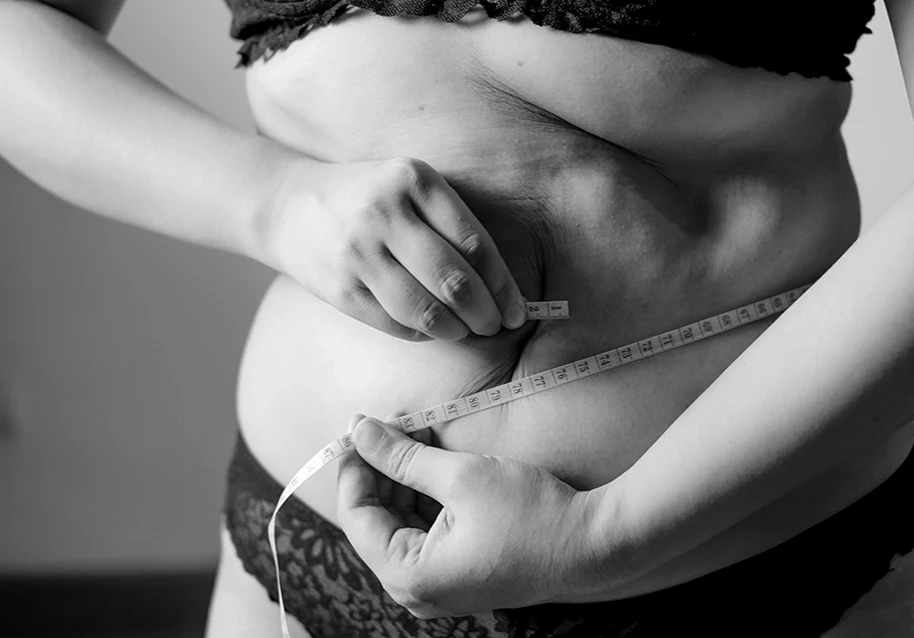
x,y
86,124
831,377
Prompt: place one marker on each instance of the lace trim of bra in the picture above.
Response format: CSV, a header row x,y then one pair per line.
x,y
811,41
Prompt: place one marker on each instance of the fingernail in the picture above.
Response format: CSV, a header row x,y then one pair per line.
x,y
368,433
515,316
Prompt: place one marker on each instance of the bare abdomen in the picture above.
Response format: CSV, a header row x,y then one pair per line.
x,y
637,243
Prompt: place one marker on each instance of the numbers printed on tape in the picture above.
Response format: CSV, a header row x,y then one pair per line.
x,y
539,382
547,310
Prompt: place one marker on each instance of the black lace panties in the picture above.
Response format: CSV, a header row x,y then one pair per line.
x,y
799,588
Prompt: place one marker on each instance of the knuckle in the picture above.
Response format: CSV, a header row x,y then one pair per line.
x,y
472,247
401,461
399,595
398,330
352,248
432,318
418,596
357,301
408,171
503,290
349,295
377,214
411,595
358,259
457,288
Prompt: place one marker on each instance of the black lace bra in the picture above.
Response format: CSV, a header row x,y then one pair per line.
x,y
809,37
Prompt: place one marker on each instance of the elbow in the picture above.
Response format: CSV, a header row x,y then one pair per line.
x,y
98,15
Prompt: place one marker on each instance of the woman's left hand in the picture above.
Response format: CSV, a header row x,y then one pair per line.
x,y
506,534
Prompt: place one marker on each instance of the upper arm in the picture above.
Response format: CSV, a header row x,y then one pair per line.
x,y
901,15
97,14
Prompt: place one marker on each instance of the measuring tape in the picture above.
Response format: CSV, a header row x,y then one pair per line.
x,y
534,384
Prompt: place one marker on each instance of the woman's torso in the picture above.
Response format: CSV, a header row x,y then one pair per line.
x,y
647,186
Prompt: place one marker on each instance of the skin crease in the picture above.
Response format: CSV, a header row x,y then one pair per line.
x,y
674,204
446,578
413,564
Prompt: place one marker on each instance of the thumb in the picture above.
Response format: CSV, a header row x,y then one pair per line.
x,y
403,459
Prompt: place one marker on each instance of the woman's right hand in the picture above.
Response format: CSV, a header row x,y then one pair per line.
x,y
390,243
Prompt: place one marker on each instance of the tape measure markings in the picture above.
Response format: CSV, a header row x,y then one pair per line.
x,y
608,360
547,309
536,383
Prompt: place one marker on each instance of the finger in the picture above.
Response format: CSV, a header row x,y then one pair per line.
x,y
376,534
363,306
383,484
382,487
442,209
361,480
427,508
408,462
444,272
409,303
403,498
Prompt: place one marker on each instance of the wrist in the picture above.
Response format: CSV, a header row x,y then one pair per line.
x,y
275,171
605,556
266,166
612,534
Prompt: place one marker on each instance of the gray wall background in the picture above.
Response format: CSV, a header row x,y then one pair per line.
x,y
119,348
